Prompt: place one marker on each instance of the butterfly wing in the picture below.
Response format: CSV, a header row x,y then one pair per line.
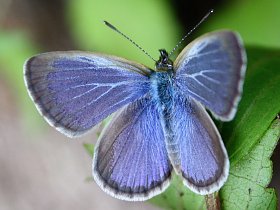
x,y
204,161
75,90
130,160
211,69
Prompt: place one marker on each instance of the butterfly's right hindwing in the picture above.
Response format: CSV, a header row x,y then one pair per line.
x,y
75,90
130,160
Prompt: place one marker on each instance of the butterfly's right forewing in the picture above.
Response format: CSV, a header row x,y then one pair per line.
x,y
75,90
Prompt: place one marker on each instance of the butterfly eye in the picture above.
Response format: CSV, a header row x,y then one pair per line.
x,y
163,54
164,63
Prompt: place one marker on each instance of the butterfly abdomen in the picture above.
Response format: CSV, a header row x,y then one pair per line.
x,y
163,94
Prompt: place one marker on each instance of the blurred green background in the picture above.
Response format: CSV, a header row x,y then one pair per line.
x,y
35,159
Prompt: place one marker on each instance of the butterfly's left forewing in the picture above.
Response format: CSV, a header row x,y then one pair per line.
x,y
130,160
211,69
75,90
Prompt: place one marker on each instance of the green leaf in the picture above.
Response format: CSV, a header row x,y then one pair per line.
x,y
259,105
89,148
250,140
179,197
249,177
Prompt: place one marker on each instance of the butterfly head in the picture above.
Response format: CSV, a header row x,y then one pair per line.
x,y
164,63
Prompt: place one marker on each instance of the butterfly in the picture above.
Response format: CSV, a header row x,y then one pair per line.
x,y
160,124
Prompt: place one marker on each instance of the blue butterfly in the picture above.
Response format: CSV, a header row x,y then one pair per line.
x,y
160,125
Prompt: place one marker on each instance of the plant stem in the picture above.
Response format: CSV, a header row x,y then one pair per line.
x,y
212,201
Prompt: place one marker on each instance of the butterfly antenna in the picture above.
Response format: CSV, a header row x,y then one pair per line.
x,y
201,21
129,39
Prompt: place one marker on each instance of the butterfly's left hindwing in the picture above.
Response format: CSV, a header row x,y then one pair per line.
x,y
75,90
130,160
204,163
